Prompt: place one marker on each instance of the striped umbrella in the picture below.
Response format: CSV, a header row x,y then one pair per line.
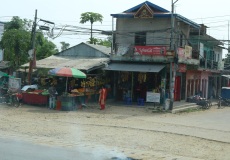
x,y
67,72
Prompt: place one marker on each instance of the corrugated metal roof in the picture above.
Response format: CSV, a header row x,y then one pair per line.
x,y
86,64
103,49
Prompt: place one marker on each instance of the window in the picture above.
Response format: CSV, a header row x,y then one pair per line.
x,y
181,40
140,38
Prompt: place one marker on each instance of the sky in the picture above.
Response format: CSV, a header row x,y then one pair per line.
x,y
212,13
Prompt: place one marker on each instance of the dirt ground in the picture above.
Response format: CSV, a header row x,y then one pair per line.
x,y
121,131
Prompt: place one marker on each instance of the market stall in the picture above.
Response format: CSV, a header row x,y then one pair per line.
x,y
67,100
35,97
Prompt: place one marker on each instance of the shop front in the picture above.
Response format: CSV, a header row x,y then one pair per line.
x,y
197,83
137,82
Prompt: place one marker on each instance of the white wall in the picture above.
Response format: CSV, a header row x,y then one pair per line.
x,y
1,30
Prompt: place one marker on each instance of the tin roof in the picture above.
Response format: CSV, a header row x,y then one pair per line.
x,y
78,48
83,56
55,61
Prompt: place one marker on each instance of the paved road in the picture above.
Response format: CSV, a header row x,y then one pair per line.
x,y
21,150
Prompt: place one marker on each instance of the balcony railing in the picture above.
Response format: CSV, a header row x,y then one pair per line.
x,y
208,64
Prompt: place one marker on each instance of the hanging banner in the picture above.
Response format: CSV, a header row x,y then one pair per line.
x,y
188,52
181,54
150,50
201,50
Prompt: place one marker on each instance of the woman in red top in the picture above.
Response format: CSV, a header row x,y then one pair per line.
x,y
102,97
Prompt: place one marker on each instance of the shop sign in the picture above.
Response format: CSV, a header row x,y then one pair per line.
x,y
181,54
153,97
150,50
188,52
14,83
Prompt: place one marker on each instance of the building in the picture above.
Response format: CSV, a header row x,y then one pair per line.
x,y
4,65
154,52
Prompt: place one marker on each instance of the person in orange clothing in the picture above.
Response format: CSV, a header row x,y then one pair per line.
x,y
102,97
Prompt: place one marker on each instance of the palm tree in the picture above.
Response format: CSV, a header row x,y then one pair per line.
x,y
91,17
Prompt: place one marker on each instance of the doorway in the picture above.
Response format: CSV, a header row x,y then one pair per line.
x,y
177,88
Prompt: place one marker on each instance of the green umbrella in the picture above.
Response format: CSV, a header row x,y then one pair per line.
x,y
3,74
67,72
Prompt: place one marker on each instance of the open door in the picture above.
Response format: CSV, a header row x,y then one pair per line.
x,y
177,88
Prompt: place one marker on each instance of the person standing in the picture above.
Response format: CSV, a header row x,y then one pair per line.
x,y
52,96
102,97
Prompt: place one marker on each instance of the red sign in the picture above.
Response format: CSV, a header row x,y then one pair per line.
x,y
150,50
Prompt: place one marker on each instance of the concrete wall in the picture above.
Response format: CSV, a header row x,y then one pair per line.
x,y
157,29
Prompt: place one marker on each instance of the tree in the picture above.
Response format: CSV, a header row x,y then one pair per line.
x,y
44,47
17,23
64,46
91,17
104,42
16,42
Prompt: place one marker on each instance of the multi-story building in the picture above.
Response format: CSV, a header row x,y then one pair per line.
x,y
148,42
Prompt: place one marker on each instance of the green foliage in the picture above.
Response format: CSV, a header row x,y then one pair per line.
x,y
16,42
16,45
91,17
19,24
64,46
44,47
104,42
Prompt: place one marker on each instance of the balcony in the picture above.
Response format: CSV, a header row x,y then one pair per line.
x,y
209,64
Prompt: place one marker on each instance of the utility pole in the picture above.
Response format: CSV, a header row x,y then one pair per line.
x,y
174,49
33,35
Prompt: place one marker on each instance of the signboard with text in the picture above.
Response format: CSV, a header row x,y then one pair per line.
x,y
188,52
150,50
153,97
14,83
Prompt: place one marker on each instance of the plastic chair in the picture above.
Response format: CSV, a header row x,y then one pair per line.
x,y
140,102
128,100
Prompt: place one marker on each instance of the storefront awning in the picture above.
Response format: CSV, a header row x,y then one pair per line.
x,y
227,76
134,67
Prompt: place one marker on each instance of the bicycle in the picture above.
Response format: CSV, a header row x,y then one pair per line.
x,y
222,102
11,98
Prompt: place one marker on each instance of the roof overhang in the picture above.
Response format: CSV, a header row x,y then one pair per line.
x,y
134,67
